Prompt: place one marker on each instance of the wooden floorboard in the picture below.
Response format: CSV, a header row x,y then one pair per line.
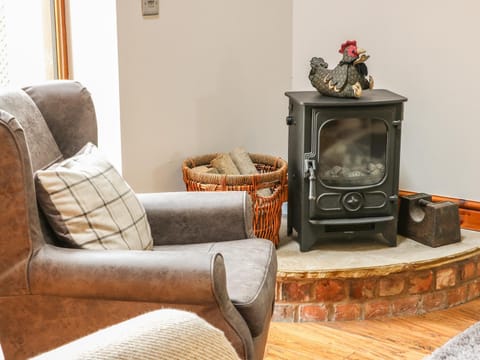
x,y
410,338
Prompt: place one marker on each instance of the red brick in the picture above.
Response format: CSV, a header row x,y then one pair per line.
x,y
330,290
434,301
420,282
445,278
278,291
348,311
406,306
362,289
392,285
377,309
313,313
457,296
474,290
468,271
284,312
297,291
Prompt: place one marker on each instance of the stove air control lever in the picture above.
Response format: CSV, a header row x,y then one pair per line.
x,y
353,201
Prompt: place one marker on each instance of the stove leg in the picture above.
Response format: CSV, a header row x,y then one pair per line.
x,y
390,233
306,245
289,224
289,221
307,238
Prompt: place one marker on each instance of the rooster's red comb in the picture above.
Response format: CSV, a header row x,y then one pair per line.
x,y
347,44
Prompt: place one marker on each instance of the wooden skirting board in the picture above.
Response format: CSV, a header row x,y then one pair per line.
x,y
469,210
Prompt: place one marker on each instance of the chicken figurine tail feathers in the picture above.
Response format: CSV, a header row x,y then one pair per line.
x,y
348,78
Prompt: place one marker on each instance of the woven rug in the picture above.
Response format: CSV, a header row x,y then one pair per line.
x,y
464,346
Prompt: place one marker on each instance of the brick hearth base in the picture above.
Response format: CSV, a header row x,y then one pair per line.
x,y
388,291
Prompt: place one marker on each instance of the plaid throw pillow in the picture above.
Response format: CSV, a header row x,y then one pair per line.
x,y
89,205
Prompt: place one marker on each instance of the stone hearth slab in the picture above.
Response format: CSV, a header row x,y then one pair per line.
x,y
366,253
365,278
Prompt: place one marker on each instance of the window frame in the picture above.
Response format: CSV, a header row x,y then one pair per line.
x,y
61,44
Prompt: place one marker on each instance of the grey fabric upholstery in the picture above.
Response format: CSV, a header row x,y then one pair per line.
x,y
206,259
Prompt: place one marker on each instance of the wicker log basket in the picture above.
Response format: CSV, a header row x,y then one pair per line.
x,y
272,175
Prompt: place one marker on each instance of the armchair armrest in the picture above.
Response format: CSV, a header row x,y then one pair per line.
x,y
149,276
195,217
180,279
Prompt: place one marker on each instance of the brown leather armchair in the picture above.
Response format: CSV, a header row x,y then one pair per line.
x,y
206,259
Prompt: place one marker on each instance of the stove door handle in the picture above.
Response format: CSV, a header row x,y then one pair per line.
x,y
310,165
311,191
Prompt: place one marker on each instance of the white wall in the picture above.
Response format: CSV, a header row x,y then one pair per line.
x,y
94,62
202,77
425,50
205,76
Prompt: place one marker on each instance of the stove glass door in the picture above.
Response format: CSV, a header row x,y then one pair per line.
x,y
352,152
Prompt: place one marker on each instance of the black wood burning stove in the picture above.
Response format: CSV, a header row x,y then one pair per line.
x,y
343,166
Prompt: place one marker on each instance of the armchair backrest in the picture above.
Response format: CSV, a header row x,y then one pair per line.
x,y
39,125
68,110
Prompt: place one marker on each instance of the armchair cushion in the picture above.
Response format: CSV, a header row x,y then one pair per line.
x,y
250,266
166,334
89,205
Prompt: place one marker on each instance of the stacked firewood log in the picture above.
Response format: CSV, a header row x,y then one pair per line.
x,y
236,162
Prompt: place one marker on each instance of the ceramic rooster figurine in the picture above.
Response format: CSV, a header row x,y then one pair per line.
x,y
348,78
